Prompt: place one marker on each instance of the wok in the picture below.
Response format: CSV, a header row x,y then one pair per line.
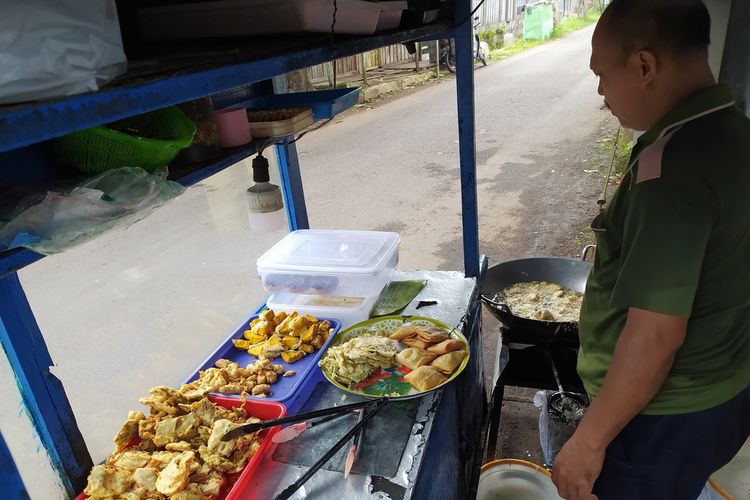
x,y
569,273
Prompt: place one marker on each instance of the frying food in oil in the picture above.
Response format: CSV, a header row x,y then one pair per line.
x,y
540,300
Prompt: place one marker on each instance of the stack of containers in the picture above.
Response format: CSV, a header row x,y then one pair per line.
x,y
329,273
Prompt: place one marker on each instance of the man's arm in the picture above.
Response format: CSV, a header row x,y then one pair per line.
x,y
642,359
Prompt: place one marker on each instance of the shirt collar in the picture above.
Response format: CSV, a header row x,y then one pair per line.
x,y
701,103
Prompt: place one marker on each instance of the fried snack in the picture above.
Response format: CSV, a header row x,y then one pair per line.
x,y
106,481
356,359
229,377
432,334
425,378
404,332
413,358
416,342
129,430
290,336
176,474
447,346
447,363
179,455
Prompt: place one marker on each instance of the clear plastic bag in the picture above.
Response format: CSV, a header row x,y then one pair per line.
x,y
115,198
554,431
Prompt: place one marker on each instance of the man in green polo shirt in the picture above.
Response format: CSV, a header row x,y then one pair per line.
x,y
665,323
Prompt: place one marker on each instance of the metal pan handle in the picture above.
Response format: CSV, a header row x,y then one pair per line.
x,y
500,305
586,250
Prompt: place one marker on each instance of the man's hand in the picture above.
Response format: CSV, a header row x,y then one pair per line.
x,y
576,468
640,364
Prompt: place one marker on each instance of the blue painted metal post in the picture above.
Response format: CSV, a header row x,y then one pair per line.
x,y
466,140
43,394
10,481
291,184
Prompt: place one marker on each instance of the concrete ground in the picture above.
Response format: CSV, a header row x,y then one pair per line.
x,y
145,305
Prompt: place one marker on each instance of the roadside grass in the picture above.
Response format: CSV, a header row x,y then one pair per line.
x,y
621,150
570,24
567,25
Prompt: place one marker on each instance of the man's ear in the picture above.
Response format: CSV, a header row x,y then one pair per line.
x,y
647,66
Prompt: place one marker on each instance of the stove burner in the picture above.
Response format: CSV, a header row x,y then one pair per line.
x,y
517,336
567,406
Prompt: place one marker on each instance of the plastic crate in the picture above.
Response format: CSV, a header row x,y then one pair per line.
x,y
101,148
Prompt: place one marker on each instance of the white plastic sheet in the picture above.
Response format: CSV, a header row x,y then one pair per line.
x,y
56,48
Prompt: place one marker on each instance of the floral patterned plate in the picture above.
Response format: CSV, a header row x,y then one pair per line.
x,y
390,382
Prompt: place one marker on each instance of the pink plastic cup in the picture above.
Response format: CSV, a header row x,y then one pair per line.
x,y
234,129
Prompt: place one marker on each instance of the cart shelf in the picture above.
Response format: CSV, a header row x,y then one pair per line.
x,y
175,78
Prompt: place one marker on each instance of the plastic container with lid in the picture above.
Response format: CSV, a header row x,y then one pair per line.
x,y
335,262
390,15
222,18
348,310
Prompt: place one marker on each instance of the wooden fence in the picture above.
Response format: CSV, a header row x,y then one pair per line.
x,y
392,54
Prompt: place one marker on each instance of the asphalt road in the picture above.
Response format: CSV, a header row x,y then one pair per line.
x,y
537,117
145,305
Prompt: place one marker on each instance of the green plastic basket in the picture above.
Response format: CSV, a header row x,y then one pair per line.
x,y
100,148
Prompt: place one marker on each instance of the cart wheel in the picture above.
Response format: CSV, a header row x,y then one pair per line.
x,y
450,63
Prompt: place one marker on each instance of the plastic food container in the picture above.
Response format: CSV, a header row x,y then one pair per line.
x,y
205,145
286,388
234,129
390,15
333,262
257,17
511,479
279,122
264,410
348,310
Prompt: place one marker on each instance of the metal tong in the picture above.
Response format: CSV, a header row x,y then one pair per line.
x,y
243,429
370,408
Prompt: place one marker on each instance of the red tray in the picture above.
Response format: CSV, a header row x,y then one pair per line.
x,y
264,410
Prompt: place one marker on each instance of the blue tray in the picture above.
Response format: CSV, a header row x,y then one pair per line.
x,y
286,389
325,104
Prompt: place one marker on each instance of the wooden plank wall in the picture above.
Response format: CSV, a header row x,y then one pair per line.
x,y
392,54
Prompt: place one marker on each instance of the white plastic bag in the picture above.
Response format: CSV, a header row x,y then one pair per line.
x,y
57,48
115,198
553,432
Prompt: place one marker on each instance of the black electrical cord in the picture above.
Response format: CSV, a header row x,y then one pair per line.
x,y
333,23
275,140
470,15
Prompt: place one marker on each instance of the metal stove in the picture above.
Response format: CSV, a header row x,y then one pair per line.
x,y
525,361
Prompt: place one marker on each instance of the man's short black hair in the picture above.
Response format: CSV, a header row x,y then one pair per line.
x,y
664,26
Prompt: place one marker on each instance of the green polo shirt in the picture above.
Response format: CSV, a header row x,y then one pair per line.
x,y
675,239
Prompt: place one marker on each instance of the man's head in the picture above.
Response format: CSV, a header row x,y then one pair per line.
x,y
649,55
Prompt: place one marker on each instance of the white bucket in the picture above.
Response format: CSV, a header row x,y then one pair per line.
x,y
511,479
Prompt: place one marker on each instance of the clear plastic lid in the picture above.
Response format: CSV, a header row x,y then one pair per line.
x,y
330,251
